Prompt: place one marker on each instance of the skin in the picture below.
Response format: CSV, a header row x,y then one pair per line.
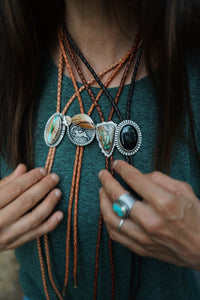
x,y
26,206
101,37
165,225
23,191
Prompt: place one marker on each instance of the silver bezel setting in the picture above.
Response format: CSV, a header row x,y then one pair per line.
x,y
117,137
90,132
97,137
61,131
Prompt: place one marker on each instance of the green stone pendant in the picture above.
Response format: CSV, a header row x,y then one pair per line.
x,y
105,133
54,130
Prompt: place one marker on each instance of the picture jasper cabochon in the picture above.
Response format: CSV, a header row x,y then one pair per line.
x,y
54,130
105,133
84,121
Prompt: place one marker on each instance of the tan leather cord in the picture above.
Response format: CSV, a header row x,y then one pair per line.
x,y
76,206
49,165
42,269
69,219
51,154
71,74
107,161
76,217
60,74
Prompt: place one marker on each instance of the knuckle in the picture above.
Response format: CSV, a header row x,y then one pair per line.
x,y
152,226
113,234
185,187
168,206
37,220
15,187
27,201
155,175
4,241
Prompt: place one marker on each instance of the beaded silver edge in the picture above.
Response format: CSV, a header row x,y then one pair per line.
x,y
60,133
117,137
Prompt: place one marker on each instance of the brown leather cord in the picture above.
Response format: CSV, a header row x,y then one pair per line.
x,y
60,74
46,242
117,66
49,164
84,80
51,154
75,237
71,75
107,163
42,269
76,217
125,74
69,218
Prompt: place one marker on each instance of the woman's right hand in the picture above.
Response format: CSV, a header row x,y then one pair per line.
x,y
27,202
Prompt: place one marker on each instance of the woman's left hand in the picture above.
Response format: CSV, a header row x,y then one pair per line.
x,y
165,225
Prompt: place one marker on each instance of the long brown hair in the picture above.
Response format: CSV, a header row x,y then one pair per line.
x,y
170,29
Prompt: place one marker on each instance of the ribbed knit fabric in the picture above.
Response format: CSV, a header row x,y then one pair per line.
x,y
159,280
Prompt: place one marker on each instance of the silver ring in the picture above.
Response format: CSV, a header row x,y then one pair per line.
x,y
123,205
120,224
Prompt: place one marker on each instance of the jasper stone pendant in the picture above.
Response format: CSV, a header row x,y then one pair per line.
x,y
54,130
105,133
128,137
83,121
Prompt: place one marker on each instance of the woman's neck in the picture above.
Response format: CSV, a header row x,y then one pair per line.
x,y
103,36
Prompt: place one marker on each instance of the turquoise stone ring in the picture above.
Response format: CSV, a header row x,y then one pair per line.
x,y
123,205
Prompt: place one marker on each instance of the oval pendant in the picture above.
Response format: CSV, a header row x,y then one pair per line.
x,y
128,137
54,130
80,136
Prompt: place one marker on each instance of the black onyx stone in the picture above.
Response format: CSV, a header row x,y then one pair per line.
x,y
128,137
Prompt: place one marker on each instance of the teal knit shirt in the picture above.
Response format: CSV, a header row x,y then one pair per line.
x,y
158,280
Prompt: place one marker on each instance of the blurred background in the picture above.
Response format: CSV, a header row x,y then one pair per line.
x,y
9,284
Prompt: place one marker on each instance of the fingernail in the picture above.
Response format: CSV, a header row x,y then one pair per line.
x,y
115,163
43,171
57,193
100,173
55,177
60,217
100,190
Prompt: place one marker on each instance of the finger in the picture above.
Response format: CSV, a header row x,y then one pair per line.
x,y
111,186
41,230
21,169
132,236
33,219
141,250
141,184
129,228
14,188
170,184
28,199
